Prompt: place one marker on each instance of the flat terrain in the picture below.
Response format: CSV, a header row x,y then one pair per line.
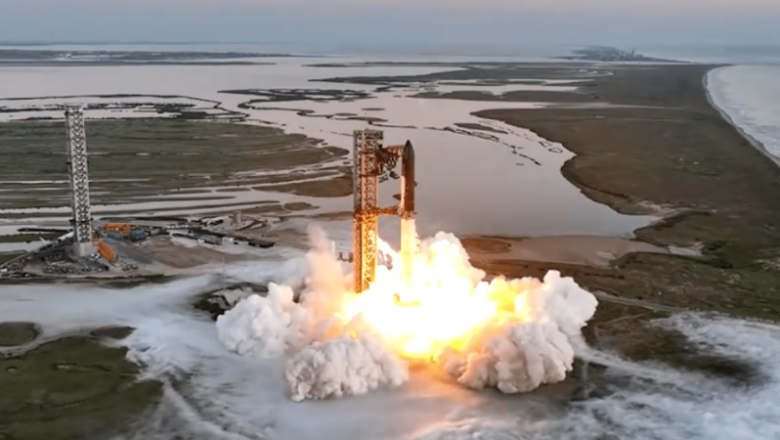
x,y
516,96
582,250
160,249
680,155
72,388
148,160
667,151
490,73
28,56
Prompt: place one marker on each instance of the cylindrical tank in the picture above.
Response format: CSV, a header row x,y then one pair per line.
x,y
408,182
408,229
106,252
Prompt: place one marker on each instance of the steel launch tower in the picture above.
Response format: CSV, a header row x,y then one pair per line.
x,y
372,161
79,182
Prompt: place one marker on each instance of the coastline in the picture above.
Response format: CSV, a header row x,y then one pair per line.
x,y
616,147
642,284
621,152
753,141
636,283
686,156
654,142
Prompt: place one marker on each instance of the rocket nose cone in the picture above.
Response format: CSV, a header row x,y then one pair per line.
x,y
408,149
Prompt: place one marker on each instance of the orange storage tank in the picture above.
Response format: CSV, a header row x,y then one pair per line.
x,y
106,252
117,227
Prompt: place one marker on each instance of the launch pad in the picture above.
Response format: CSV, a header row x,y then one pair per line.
x,y
372,163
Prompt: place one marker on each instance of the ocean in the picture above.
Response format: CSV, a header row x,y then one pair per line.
x,y
750,96
746,91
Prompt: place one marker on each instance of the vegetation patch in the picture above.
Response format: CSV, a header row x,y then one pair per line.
x,y
72,388
14,334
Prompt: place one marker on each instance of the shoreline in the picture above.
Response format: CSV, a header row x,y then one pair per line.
x,y
639,150
723,114
618,201
683,153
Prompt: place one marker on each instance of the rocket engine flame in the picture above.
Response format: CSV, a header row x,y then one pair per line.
x,y
434,308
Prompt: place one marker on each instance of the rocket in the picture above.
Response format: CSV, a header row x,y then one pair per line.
x,y
407,182
408,229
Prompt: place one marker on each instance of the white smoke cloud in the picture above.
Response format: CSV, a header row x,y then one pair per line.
x,y
325,284
236,397
330,355
266,327
343,366
517,357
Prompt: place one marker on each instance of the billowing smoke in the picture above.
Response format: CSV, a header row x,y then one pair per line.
x,y
514,335
343,366
266,327
517,357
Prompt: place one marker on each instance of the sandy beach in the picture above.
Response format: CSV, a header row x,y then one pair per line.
x,y
753,141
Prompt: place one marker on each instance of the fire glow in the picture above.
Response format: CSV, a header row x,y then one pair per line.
x,y
432,307
442,304
438,311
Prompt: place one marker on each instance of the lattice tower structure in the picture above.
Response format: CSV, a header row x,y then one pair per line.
x,y
373,164
365,229
79,182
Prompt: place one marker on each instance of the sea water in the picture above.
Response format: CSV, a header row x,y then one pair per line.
x,y
750,96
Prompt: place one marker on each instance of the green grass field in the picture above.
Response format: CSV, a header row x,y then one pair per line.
x,y
73,388
138,159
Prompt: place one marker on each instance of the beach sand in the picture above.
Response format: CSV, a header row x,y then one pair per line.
x,y
753,141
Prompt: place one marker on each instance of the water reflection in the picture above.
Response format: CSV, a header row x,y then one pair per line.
x,y
503,181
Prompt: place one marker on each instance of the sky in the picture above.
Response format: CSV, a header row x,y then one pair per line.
x,y
468,23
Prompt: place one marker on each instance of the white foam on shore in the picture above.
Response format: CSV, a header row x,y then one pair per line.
x,y
749,97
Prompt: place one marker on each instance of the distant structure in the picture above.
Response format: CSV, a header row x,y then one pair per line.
x,y
370,163
237,220
79,182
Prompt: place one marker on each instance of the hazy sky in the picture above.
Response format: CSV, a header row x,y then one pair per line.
x,y
402,22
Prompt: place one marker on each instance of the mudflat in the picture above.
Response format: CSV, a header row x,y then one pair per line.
x,y
674,153
647,140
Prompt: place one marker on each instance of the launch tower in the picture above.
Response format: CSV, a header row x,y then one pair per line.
x,y
79,182
372,161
